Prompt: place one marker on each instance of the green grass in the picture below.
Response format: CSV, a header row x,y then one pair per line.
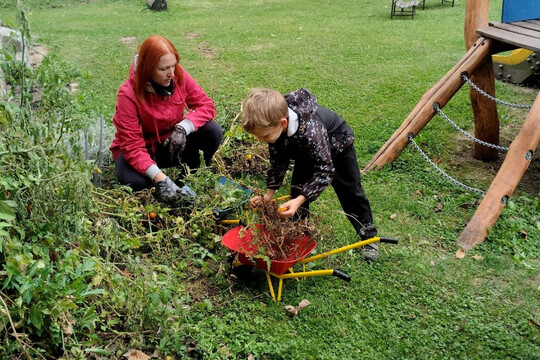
x,y
417,301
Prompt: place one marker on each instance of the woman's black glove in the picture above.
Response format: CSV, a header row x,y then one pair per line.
x,y
176,142
167,191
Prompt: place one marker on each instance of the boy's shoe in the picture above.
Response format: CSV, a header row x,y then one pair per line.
x,y
370,251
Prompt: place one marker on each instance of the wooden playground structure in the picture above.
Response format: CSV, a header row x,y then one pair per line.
x,y
482,39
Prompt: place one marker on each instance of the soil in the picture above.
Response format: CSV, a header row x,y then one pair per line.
x,y
36,55
191,35
128,40
206,51
486,171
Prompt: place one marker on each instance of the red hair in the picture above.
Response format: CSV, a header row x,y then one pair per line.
x,y
150,51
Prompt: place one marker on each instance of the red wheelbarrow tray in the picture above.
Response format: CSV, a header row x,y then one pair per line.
x,y
240,241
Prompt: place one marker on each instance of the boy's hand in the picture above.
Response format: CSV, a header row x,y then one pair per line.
x,y
289,208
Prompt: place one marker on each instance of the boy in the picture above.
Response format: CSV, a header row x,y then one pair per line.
x,y
321,144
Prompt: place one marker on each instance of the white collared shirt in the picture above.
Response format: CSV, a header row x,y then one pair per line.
x,y
292,126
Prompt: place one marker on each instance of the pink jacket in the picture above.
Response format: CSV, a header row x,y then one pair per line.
x,y
140,125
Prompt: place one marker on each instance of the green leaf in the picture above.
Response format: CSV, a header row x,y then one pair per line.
x,y
165,296
7,211
93,292
36,317
98,351
88,266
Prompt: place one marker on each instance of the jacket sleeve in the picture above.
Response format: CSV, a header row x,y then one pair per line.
x,y
130,135
317,145
201,108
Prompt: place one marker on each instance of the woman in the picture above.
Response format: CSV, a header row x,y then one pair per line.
x,y
163,118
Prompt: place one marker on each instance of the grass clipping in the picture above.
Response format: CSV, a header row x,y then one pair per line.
x,y
280,238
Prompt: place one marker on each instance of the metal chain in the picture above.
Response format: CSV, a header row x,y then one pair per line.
x,y
475,87
436,106
411,139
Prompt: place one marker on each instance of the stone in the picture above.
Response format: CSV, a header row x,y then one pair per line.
x,y
10,37
157,5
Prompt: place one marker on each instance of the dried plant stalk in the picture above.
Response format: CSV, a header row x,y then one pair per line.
x,y
278,238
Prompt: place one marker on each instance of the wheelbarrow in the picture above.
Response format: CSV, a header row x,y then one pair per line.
x,y
241,242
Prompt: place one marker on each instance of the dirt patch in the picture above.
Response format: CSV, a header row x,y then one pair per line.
x,y
130,41
486,171
199,286
206,51
36,54
191,35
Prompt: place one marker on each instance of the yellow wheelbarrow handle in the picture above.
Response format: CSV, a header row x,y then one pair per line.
x,y
284,197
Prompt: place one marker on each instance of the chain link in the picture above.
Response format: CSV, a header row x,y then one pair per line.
x,y
455,126
475,87
437,108
439,170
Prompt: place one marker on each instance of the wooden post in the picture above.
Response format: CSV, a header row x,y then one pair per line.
x,y
441,93
514,166
486,120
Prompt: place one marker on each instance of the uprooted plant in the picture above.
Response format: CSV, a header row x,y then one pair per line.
x,y
280,238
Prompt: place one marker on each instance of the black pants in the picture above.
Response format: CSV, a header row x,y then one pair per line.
x,y
207,138
348,188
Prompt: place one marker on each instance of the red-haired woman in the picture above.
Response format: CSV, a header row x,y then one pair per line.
x,y
163,118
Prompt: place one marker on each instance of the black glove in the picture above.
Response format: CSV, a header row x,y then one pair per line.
x,y
167,191
176,142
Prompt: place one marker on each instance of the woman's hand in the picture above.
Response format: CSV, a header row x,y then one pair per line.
x,y
289,208
176,142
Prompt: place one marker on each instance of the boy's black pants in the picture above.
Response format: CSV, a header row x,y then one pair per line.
x,y
348,188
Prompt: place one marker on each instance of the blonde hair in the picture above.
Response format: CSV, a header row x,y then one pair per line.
x,y
263,108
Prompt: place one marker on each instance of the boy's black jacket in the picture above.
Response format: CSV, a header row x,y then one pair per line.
x,y
321,135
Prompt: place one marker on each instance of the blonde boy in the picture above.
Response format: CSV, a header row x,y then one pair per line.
x,y
321,145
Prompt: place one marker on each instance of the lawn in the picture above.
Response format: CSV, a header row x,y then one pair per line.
x,y
156,288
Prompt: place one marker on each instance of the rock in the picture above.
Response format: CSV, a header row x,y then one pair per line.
x,y
10,37
157,5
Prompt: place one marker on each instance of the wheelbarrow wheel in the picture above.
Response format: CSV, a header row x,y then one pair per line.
x,y
237,268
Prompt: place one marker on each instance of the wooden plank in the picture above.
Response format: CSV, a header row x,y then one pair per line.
x,y
516,29
527,25
404,5
510,38
505,182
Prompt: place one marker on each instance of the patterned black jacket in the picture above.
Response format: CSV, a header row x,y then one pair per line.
x,y
321,135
